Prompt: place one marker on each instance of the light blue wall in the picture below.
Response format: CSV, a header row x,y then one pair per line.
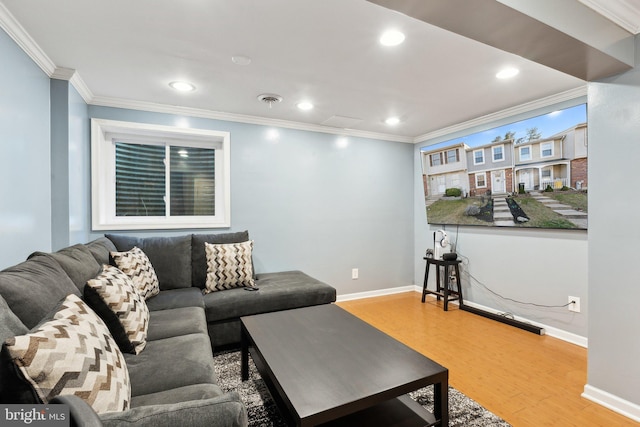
x,y
536,266
59,164
79,156
614,235
313,205
25,172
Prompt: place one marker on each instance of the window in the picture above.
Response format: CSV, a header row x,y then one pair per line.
x,y
498,153
436,159
452,156
158,177
546,173
478,157
481,180
525,153
546,149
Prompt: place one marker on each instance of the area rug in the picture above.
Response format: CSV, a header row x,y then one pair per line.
x,y
262,411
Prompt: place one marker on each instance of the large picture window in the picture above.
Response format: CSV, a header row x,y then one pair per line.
x,y
153,177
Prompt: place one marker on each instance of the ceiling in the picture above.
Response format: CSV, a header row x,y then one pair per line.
x,y
124,53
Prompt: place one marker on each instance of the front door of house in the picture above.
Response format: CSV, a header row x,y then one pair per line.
x,y
497,182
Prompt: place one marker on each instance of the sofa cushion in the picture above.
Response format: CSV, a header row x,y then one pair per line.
x,y
100,249
171,363
73,353
135,264
278,291
199,256
10,326
229,266
175,322
33,288
114,298
170,256
77,261
177,395
176,298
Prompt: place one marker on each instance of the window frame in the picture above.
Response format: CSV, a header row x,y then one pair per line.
x,y
522,158
493,153
433,156
474,156
103,159
484,177
456,155
542,149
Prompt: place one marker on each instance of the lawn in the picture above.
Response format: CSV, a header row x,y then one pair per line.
x,y
576,199
540,215
452,212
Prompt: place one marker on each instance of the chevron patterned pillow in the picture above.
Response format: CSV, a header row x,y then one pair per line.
x,y
229,266
73,353
115,299
136,265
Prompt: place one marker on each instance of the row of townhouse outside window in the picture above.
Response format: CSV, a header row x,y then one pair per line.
x,y
504,166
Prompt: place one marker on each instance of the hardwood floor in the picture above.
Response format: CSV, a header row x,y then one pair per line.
x,y
527,379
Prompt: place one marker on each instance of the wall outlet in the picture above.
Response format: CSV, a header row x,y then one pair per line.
x,y
574,304
354,273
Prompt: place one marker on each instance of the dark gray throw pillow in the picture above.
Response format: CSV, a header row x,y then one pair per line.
x,y
170,257
33,288
199,266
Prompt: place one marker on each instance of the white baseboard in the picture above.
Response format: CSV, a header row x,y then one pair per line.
x,y
613,402
377,293
548,330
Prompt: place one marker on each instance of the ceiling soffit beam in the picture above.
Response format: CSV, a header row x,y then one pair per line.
x,y
505,28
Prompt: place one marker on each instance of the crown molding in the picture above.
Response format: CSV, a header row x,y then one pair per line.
x,y
19,35
241,118
504,114
621,12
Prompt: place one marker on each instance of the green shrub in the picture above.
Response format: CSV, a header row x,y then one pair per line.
x,y
565,188
453,192
549,189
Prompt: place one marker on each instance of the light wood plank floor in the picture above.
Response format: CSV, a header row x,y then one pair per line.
x,y
527,379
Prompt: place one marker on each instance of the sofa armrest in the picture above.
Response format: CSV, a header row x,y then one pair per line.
x,y
221,411
81,414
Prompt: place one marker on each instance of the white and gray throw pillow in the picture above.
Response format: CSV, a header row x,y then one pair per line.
x,y
73,353
229,266
115,299
136,265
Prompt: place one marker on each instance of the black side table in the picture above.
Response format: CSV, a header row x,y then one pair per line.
x,y
442,285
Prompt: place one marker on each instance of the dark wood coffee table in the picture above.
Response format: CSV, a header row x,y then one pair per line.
x,y
324,365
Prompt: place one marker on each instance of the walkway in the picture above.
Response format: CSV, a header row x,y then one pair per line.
x,y
579,218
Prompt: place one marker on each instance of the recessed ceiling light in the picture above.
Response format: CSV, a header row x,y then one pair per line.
x,y
304,105
182,86
391,38
392,121
507,73
241,60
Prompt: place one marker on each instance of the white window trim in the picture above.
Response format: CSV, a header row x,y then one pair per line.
x,y
542,149
483,174
474,157
529,157
103,174
493,153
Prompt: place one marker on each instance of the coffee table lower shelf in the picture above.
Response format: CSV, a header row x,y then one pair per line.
x,y
399,412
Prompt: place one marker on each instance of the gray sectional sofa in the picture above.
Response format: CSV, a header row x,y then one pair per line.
x,y
172,379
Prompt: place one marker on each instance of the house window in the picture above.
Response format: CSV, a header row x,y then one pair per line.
x,y
436,159
481,180
478,157
546,149
525,153
498,153
158,177
546,173
452,156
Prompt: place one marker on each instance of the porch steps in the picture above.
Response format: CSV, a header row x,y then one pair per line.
x,y
577,217
501,213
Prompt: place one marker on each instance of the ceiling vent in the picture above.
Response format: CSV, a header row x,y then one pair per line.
x,y
270,98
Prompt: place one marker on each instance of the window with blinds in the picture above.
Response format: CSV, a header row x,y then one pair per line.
x,y
153,177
